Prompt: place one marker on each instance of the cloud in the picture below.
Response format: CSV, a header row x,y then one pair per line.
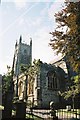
x,y
36,22
20,3
55,7
45,9
41,49
21,21
17,19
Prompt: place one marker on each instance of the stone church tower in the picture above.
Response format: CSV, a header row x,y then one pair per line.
x,y
22,55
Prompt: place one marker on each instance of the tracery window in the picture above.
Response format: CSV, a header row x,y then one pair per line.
x,y
30,87
52,81
20,88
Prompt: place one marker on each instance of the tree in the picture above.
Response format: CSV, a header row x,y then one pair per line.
x,y
25,71
7,93
7,80
66,37
30,71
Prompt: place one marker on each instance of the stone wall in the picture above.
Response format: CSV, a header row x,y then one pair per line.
x,y
47,95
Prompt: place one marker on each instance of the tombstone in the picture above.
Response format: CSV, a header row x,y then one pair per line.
x,y
53,111
68,107
20,109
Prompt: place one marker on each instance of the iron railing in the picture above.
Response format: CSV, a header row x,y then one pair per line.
x,y
62,114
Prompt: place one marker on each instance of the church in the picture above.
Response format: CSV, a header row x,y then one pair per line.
x,y
37,88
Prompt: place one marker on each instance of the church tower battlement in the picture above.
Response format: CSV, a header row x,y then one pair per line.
x,y
22,55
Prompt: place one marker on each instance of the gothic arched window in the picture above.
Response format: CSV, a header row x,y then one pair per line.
x,y
52,80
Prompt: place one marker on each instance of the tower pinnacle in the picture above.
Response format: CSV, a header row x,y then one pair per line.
x,y
20,39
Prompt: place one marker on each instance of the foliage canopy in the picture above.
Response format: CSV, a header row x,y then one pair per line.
x,y
66,37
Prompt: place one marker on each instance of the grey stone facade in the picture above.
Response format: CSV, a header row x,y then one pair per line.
x,y
43,87
22,55
43,91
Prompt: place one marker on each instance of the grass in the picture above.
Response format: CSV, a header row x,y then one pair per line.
x,y
76,111
27,115
34,117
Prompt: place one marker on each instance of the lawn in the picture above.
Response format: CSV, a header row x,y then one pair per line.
x,y
27,115
34,117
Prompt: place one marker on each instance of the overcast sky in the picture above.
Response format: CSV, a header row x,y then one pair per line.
x,y
31,20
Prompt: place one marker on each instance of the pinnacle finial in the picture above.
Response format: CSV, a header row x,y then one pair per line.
x,y
20,40
30,41
16,44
